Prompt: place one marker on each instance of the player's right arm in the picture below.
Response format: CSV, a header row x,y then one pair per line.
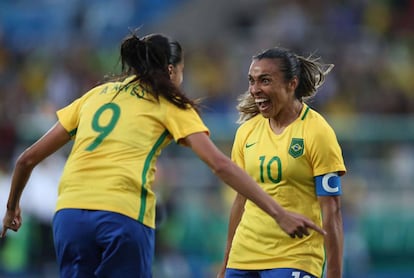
x,y
53,140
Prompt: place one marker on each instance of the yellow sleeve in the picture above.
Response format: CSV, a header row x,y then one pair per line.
x,y
69,116
183,122
325,152
237,154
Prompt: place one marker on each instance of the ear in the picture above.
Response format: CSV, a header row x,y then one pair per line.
x,y
170,69
293,83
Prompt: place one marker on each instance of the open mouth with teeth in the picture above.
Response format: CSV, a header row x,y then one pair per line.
x,y
263,103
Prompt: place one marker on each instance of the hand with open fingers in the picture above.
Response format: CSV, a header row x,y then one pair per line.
x,y
12,220
297,225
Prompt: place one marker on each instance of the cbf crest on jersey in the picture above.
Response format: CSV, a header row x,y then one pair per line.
x,y
296,147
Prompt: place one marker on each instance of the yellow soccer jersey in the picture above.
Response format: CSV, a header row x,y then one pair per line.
x,y
284,165
117,141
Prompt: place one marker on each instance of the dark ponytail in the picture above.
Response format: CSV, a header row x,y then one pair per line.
x,y
148,58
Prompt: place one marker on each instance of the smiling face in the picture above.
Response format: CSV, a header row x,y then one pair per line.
x,y
272,93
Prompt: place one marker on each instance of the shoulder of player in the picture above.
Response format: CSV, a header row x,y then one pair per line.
x,y
251,123
99,89
249,127
316,125
312,116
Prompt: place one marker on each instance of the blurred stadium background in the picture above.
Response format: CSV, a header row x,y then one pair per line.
x,y
53,51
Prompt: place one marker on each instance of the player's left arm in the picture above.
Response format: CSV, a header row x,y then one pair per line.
x,y
328,190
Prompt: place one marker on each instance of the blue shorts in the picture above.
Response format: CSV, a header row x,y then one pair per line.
x,y
268,273
91,243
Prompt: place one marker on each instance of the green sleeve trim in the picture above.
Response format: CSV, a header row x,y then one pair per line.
x,y
73,132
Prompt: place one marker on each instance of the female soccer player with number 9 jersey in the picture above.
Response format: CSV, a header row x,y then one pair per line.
x,y
105,213
292,152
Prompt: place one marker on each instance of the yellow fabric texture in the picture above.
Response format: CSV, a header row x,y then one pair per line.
x,y
116,145
284,165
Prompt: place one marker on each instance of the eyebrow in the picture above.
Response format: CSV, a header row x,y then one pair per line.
x,y
261,75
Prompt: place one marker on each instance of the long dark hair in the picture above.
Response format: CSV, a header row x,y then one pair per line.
x,y
148,59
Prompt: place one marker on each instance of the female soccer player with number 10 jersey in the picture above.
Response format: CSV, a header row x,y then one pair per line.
x,y
292,152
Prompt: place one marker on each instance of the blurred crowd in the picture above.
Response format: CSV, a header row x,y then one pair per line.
x,y
51,52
